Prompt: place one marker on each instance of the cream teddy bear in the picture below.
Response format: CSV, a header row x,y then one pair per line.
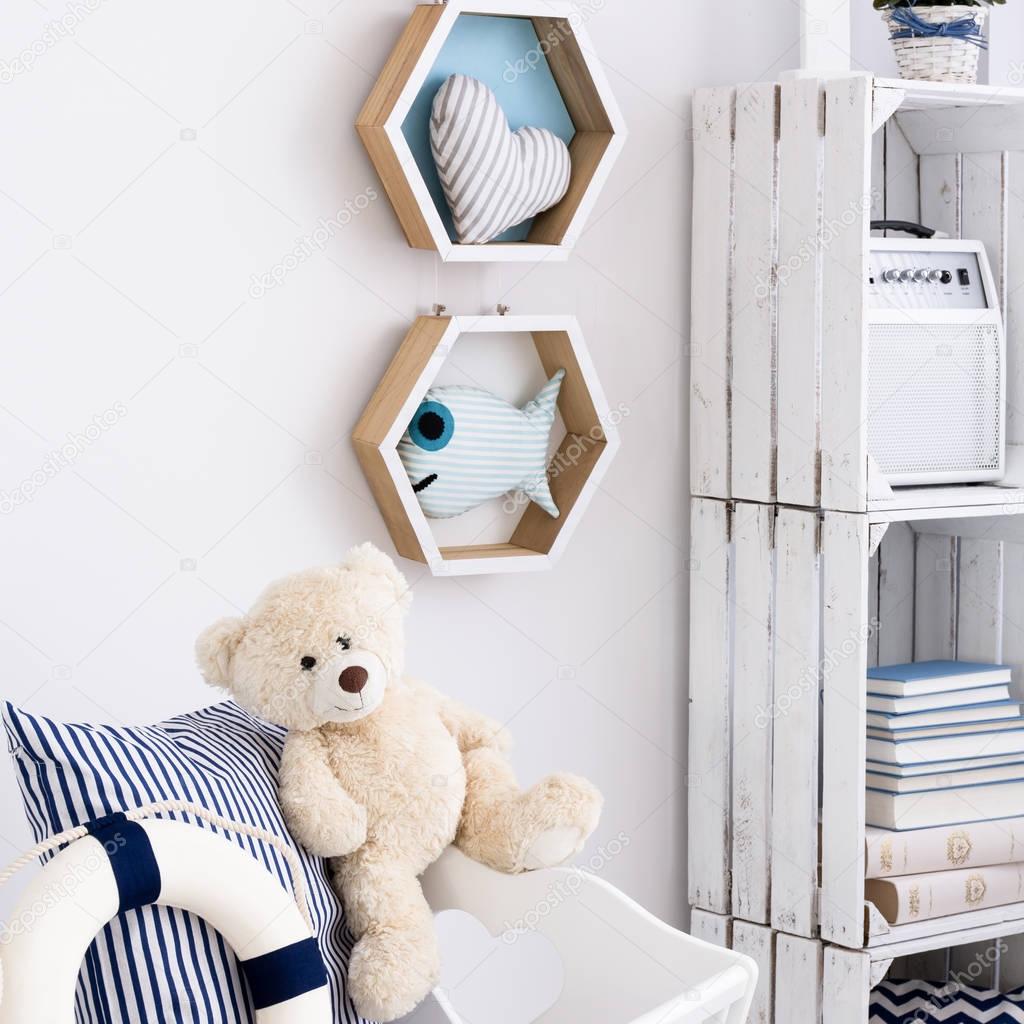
x,y
379,772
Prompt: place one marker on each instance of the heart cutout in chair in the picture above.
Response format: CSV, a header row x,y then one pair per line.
x,y
513,979
493,178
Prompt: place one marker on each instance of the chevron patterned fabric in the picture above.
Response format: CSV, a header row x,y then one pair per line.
x,y
919,1002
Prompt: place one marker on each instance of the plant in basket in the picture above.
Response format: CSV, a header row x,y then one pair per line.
x,y
938,40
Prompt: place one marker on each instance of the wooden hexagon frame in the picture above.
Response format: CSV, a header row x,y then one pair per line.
x,y
582,458
600,130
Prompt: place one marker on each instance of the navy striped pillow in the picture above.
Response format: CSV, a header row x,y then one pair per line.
x,y
156,964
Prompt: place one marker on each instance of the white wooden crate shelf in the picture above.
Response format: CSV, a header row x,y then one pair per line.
x,y
794,552
792,607
780,249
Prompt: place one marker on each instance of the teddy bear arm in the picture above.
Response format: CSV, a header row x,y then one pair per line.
x,y
470,729
321,816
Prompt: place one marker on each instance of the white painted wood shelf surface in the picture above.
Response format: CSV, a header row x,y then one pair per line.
x,y
938,95
969,501
942,932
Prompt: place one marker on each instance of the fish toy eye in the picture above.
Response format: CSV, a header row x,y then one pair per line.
x,y
432,427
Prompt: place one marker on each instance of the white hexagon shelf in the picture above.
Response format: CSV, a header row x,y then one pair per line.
x,y
583,456
551,47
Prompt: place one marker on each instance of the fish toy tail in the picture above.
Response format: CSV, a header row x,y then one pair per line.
x,y
540,411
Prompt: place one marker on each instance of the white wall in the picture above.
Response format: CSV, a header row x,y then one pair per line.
x,y
154,160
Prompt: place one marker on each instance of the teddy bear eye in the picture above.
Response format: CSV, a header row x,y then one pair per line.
x,y
308,662
345,642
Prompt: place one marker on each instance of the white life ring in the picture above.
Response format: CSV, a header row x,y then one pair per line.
x,y
123,864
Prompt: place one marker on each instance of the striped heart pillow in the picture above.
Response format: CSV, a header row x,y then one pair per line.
x,y
493,178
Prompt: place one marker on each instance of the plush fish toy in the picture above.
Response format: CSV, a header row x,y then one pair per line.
x,y
465,446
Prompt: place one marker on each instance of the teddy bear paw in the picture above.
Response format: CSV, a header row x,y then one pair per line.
x,y
390,973
553,847
565,810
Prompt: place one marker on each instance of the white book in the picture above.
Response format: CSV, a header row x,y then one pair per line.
x,y
945,780
934,677
962,804
925,749
937,894
923,732
906,771
945,716
928,701
946,848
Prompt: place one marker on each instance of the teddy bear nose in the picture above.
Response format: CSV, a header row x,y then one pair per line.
x,y
353,679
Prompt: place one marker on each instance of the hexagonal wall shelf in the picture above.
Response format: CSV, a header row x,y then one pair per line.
x,y
550,49
582,458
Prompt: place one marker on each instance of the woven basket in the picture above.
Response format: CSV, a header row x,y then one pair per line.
x,y
938,58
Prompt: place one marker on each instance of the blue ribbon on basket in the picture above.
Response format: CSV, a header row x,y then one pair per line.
x,y
914,26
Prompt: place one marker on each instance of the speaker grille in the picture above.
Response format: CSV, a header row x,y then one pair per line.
x,y
934,398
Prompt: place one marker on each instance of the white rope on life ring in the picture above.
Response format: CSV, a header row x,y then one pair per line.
x,y
125,861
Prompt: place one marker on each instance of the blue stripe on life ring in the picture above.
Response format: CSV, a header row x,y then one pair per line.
x,y
131,858
284,973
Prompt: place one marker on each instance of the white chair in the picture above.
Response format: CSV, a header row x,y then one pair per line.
x,y
620,964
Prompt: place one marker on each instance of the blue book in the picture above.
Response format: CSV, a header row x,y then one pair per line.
x,y
988,741
938,701
919,677
950,717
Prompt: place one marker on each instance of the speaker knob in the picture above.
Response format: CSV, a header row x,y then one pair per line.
x,y
906,276
921,276
891,276
935,276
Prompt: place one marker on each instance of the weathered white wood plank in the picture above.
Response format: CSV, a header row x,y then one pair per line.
x,y
709,753
713,928
845,631
979,638
896,596
878,179
885,102
709,304
941,193
1013,614
935,598
753,526
874,573
753,295
757,941
847,206
798,980
1015,308
980,608
847,986
901,177
985,210
1012,958
964,129
795,714
799,281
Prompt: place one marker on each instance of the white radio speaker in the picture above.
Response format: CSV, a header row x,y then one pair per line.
x,y
936,363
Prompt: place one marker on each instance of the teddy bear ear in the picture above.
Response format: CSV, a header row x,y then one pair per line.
x,y
367,558
215,648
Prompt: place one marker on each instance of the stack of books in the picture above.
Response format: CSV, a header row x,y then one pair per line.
x,y
945,789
